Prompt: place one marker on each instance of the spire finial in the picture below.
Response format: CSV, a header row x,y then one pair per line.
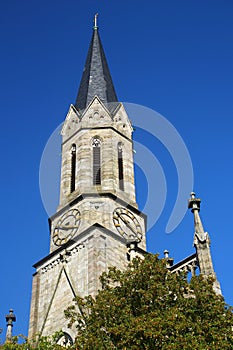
x,y
10,318
169,260
194,203
166,254
95,21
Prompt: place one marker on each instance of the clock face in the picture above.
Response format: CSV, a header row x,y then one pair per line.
x,y
127,224
66,227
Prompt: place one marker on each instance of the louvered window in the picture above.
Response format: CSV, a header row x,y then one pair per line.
x,y
96,162
120,167
73,168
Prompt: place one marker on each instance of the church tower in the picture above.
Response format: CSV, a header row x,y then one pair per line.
x,y
97,223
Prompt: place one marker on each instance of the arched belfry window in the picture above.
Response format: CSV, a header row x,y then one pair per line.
x,y
96,144
73,168
120,166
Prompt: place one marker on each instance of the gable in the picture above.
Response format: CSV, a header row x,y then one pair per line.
x,y
122,122
71,123
96,114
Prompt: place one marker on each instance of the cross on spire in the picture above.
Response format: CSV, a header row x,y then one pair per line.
x,y
95,21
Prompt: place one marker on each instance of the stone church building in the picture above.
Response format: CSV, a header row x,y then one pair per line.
x,y
97,223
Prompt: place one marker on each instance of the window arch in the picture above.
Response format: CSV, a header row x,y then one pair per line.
x,y
96,145
65,340
73,168
120,166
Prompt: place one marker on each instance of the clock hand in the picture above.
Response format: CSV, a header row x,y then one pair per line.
x,y
126,222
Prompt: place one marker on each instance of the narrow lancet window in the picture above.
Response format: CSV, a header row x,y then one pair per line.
x,y
120,167
96,161
73,168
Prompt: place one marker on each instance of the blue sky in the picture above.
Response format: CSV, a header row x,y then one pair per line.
x,y
172,56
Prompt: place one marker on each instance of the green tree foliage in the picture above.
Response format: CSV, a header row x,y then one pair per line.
x,y
42,343
147,307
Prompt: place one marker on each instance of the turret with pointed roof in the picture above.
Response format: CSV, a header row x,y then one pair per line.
x,y
202,243
96,78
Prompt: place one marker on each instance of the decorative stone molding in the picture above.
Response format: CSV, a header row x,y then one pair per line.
x,y
63,258
189,264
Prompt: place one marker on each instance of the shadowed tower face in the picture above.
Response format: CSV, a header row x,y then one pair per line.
x,y
97,219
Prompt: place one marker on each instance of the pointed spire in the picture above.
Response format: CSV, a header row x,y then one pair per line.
x,y
96,78
202,243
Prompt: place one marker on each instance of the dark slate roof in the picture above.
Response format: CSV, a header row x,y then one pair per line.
x,y
96,78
